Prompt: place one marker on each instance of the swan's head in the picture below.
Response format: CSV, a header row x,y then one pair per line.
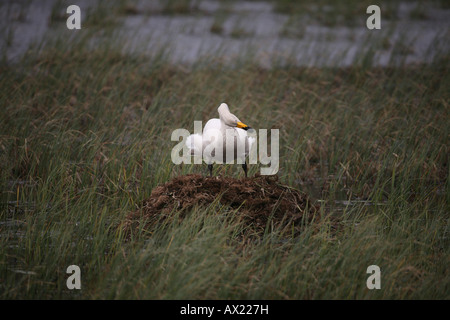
x,y
230,119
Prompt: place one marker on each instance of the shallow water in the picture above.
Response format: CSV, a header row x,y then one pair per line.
x,y
249,29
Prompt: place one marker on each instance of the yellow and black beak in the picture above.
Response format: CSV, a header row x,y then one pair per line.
x,y
243,126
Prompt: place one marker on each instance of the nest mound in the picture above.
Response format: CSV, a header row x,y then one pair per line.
x,y
257,199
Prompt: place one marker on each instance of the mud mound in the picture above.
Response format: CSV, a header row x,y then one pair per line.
x,y
257,199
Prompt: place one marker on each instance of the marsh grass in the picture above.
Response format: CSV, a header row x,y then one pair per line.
x,y
85,137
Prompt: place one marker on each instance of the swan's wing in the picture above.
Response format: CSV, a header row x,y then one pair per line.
x,y
195,144
245,143
212,124
250,142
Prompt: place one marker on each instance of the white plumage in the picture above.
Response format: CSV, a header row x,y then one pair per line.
x,y
221,136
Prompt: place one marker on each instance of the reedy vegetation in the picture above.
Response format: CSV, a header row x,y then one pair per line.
x,y
85,136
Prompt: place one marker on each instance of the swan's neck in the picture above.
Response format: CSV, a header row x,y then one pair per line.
x,y
224,126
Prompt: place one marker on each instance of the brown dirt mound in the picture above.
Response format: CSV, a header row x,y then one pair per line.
x,y
257,199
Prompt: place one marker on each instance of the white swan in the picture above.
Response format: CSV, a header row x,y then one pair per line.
x,y
227,135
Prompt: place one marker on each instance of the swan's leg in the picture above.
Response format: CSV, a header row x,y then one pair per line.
x,y
210,169
244,166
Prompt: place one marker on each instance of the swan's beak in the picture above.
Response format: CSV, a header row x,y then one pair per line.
x,y
243,126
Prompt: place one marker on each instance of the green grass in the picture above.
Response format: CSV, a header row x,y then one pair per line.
x,y
85,137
